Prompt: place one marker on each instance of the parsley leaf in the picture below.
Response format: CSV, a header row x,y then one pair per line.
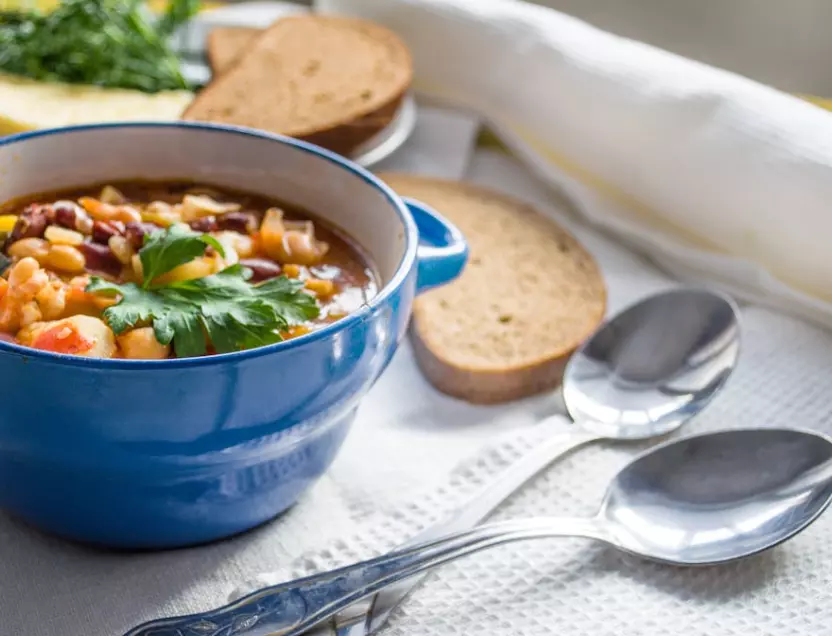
x,y
114,43
167,250
225,307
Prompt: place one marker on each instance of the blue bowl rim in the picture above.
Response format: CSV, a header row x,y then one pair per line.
x,y
402,270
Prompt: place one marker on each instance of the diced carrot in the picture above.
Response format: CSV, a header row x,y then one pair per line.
x,y
291,270
63,338
4,287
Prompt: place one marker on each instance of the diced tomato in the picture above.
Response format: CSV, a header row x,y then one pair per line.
x,y
63,338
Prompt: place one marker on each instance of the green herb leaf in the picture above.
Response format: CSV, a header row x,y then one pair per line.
x,y
166,250
176,15
231,312
112,43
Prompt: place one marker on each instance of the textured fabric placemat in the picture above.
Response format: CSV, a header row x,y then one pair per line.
x,y
396,473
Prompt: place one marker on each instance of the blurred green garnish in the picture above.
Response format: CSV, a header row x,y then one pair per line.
x,y
112,43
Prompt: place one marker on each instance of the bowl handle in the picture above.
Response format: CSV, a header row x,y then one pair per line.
x,y
442,251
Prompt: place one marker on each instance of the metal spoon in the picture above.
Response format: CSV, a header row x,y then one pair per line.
x,y
703,500
654,366
642,374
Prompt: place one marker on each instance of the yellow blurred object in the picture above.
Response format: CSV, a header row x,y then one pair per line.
x,y
156,6
7,222
27,104
818,101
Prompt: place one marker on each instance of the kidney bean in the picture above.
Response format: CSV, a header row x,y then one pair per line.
x,y
31,223
65,215
100,258
102,231
204,224
242,222
135,233
261,269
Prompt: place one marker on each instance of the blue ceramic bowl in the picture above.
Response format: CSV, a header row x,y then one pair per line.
x,y
152,454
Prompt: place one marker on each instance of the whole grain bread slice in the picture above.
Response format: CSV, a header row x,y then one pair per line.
x,y
226,44
330,80
529,296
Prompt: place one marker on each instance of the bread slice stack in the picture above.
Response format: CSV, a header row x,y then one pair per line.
x,y
528,297
226,44
333,81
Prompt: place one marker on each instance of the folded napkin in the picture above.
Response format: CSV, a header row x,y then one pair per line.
x,y
714,176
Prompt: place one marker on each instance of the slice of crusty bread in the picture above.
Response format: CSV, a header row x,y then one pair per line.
x,y
528,297
333,81
225,44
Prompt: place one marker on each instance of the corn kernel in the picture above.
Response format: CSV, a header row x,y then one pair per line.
x,y
292,271
7,222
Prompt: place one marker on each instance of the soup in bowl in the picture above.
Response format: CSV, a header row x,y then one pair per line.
x,y
155,270
189,317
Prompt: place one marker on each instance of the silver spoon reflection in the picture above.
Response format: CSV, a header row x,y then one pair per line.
x,y
653,366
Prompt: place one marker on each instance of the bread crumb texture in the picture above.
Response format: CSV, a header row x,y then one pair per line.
x,y
529,296
305,74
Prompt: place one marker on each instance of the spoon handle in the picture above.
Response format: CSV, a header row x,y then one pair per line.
x,y
291,608
355,621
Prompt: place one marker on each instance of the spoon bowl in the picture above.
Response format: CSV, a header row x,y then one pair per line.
x,y
721,496
654,365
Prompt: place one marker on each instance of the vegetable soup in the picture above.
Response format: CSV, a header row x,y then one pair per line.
x,y
146,270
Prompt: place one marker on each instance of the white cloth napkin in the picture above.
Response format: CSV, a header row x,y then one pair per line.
x,y
712,175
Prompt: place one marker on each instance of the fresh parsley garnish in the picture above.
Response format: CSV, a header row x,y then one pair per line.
x,y
165,251
113,43
231,312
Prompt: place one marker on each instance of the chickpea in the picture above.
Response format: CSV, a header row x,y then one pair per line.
x,y
26,278
30,313
141,344
52,300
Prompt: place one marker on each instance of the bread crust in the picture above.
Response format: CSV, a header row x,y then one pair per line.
x,y
442,348
342,134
